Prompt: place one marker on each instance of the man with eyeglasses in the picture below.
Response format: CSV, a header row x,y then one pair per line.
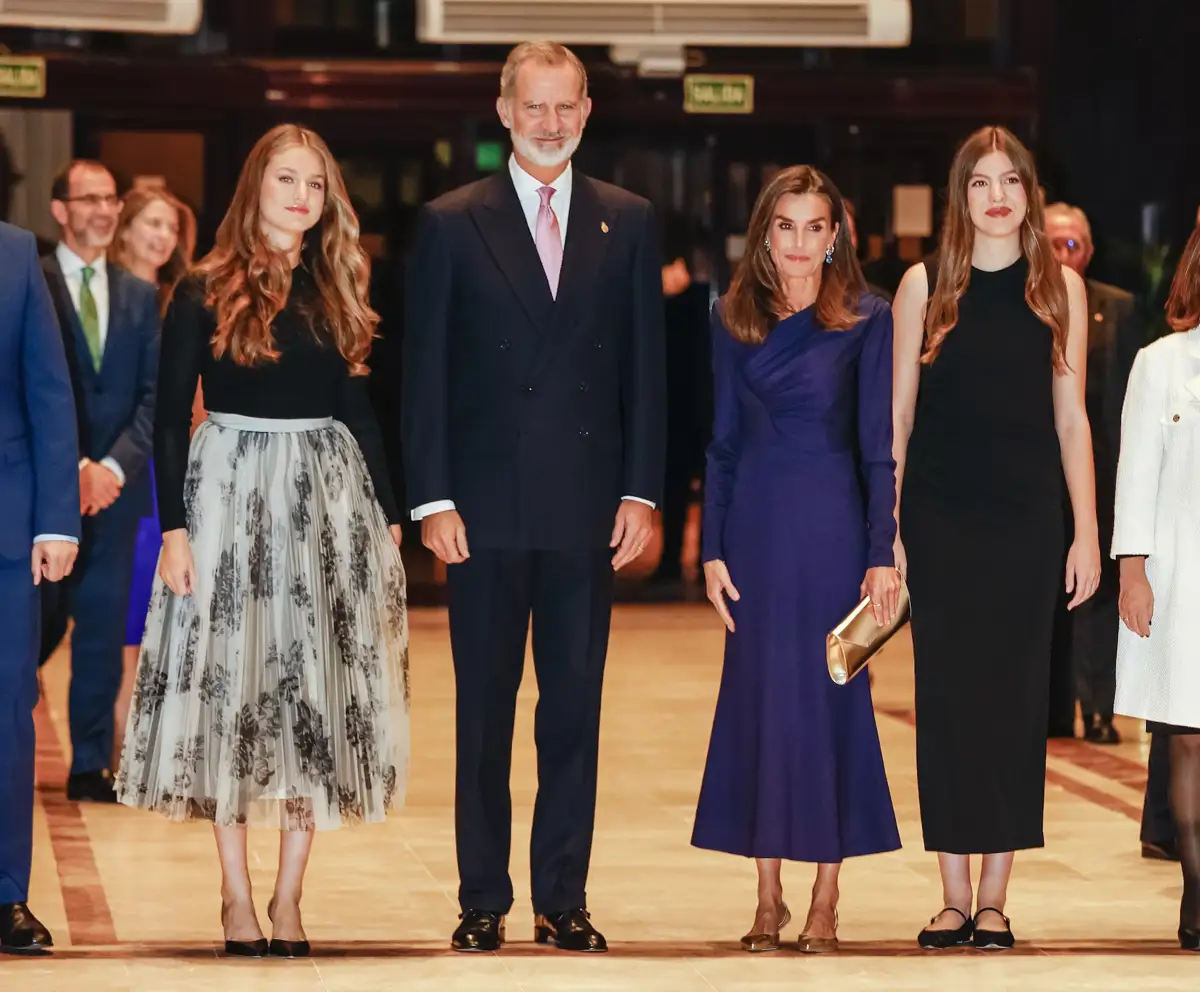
x,y
110,329
1086,642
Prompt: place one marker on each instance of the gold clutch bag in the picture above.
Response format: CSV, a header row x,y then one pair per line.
x,y
858,638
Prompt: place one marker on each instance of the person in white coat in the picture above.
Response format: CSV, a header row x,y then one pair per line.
x,y
1156,537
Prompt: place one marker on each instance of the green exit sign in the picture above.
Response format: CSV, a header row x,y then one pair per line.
x,y
718,94
22,77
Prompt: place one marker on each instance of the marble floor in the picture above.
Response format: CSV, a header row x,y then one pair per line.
x,y
133,901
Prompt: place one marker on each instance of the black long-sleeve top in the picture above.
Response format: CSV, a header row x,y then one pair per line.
x,y
310,379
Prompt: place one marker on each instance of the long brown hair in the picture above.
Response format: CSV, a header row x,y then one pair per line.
x,y
247,282
756,294
1183,305
1045,290
176,267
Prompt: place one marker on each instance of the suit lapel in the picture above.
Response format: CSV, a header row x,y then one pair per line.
x,y
583,255
586,244
76,344
116,303
502,225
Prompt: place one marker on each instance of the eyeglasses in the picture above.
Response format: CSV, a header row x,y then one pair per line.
x,y
1069,244
95,200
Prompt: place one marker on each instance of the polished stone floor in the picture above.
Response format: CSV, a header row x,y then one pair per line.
x,y
133,901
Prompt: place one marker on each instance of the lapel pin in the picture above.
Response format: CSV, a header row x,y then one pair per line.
x,y
604,226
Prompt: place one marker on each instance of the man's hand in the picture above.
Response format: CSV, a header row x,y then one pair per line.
x,y
98,488
53,560
445,535
631,533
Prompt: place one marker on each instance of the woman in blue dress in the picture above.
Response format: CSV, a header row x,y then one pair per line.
x,y
155,241
798,526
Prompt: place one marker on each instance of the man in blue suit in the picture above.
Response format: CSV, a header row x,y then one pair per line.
x,y
110,329
39,509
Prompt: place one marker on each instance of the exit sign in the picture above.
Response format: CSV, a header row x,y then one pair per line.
x,y
718,94
22,77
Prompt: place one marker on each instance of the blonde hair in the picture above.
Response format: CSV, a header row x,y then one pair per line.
x,y
176,267
545,52
1068,212
247,282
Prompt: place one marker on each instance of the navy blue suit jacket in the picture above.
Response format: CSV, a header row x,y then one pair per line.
x,y
39,452
534,414
115,406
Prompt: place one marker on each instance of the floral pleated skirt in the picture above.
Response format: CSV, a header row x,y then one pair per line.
x,y
276,693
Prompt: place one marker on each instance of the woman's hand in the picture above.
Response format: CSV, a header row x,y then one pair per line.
x,y
1083,570
176,566
901,557
882,585
718,583
1136,604
397,534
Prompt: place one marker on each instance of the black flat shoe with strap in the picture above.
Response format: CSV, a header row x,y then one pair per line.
x,y
993,940
940,940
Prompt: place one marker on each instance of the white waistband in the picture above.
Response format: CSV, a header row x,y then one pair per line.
x,y
268,425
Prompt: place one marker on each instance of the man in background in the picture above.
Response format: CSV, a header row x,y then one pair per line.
x,y
39,510
109,324
689,389
1086,641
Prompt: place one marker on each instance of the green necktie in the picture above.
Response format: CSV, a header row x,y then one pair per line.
x,y
89,316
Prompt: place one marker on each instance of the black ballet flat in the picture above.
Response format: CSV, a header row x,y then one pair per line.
x,y
290,948
993,940
247,948
941,940
1189,940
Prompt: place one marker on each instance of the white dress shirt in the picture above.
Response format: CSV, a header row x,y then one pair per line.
x,y
531,200
72,269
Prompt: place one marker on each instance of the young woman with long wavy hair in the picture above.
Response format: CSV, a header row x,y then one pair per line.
x,y
798,526
1157,540
272,682
991,351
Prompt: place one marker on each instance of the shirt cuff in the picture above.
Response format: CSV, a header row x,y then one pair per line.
x,y
113,466
428,509
43,538
638,499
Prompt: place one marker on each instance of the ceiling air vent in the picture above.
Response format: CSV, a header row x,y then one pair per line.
x,y
136,16
668,23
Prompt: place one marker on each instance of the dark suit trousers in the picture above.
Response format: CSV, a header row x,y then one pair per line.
x,y
1094,627
492,595
98,597
1158,826
18,695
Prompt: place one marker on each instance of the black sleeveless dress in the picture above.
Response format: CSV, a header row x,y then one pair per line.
x,y
982,524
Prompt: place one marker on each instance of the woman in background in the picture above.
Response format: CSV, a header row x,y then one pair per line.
x,y
798,527
155,241
994,334
1157,539
272,682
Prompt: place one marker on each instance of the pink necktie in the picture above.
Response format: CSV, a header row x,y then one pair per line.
x,y
548,239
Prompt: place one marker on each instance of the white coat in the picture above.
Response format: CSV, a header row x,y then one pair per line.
x,y
1158,514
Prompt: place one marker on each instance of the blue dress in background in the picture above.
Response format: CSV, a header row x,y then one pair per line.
x,y
799,501
145,567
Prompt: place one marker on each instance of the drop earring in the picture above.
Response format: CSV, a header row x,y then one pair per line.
x,y
829,255
767,242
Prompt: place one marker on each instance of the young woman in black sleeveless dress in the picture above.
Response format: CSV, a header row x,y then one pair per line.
x,y
990,350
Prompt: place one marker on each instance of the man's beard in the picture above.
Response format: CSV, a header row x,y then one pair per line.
x,y
547,158
90,238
